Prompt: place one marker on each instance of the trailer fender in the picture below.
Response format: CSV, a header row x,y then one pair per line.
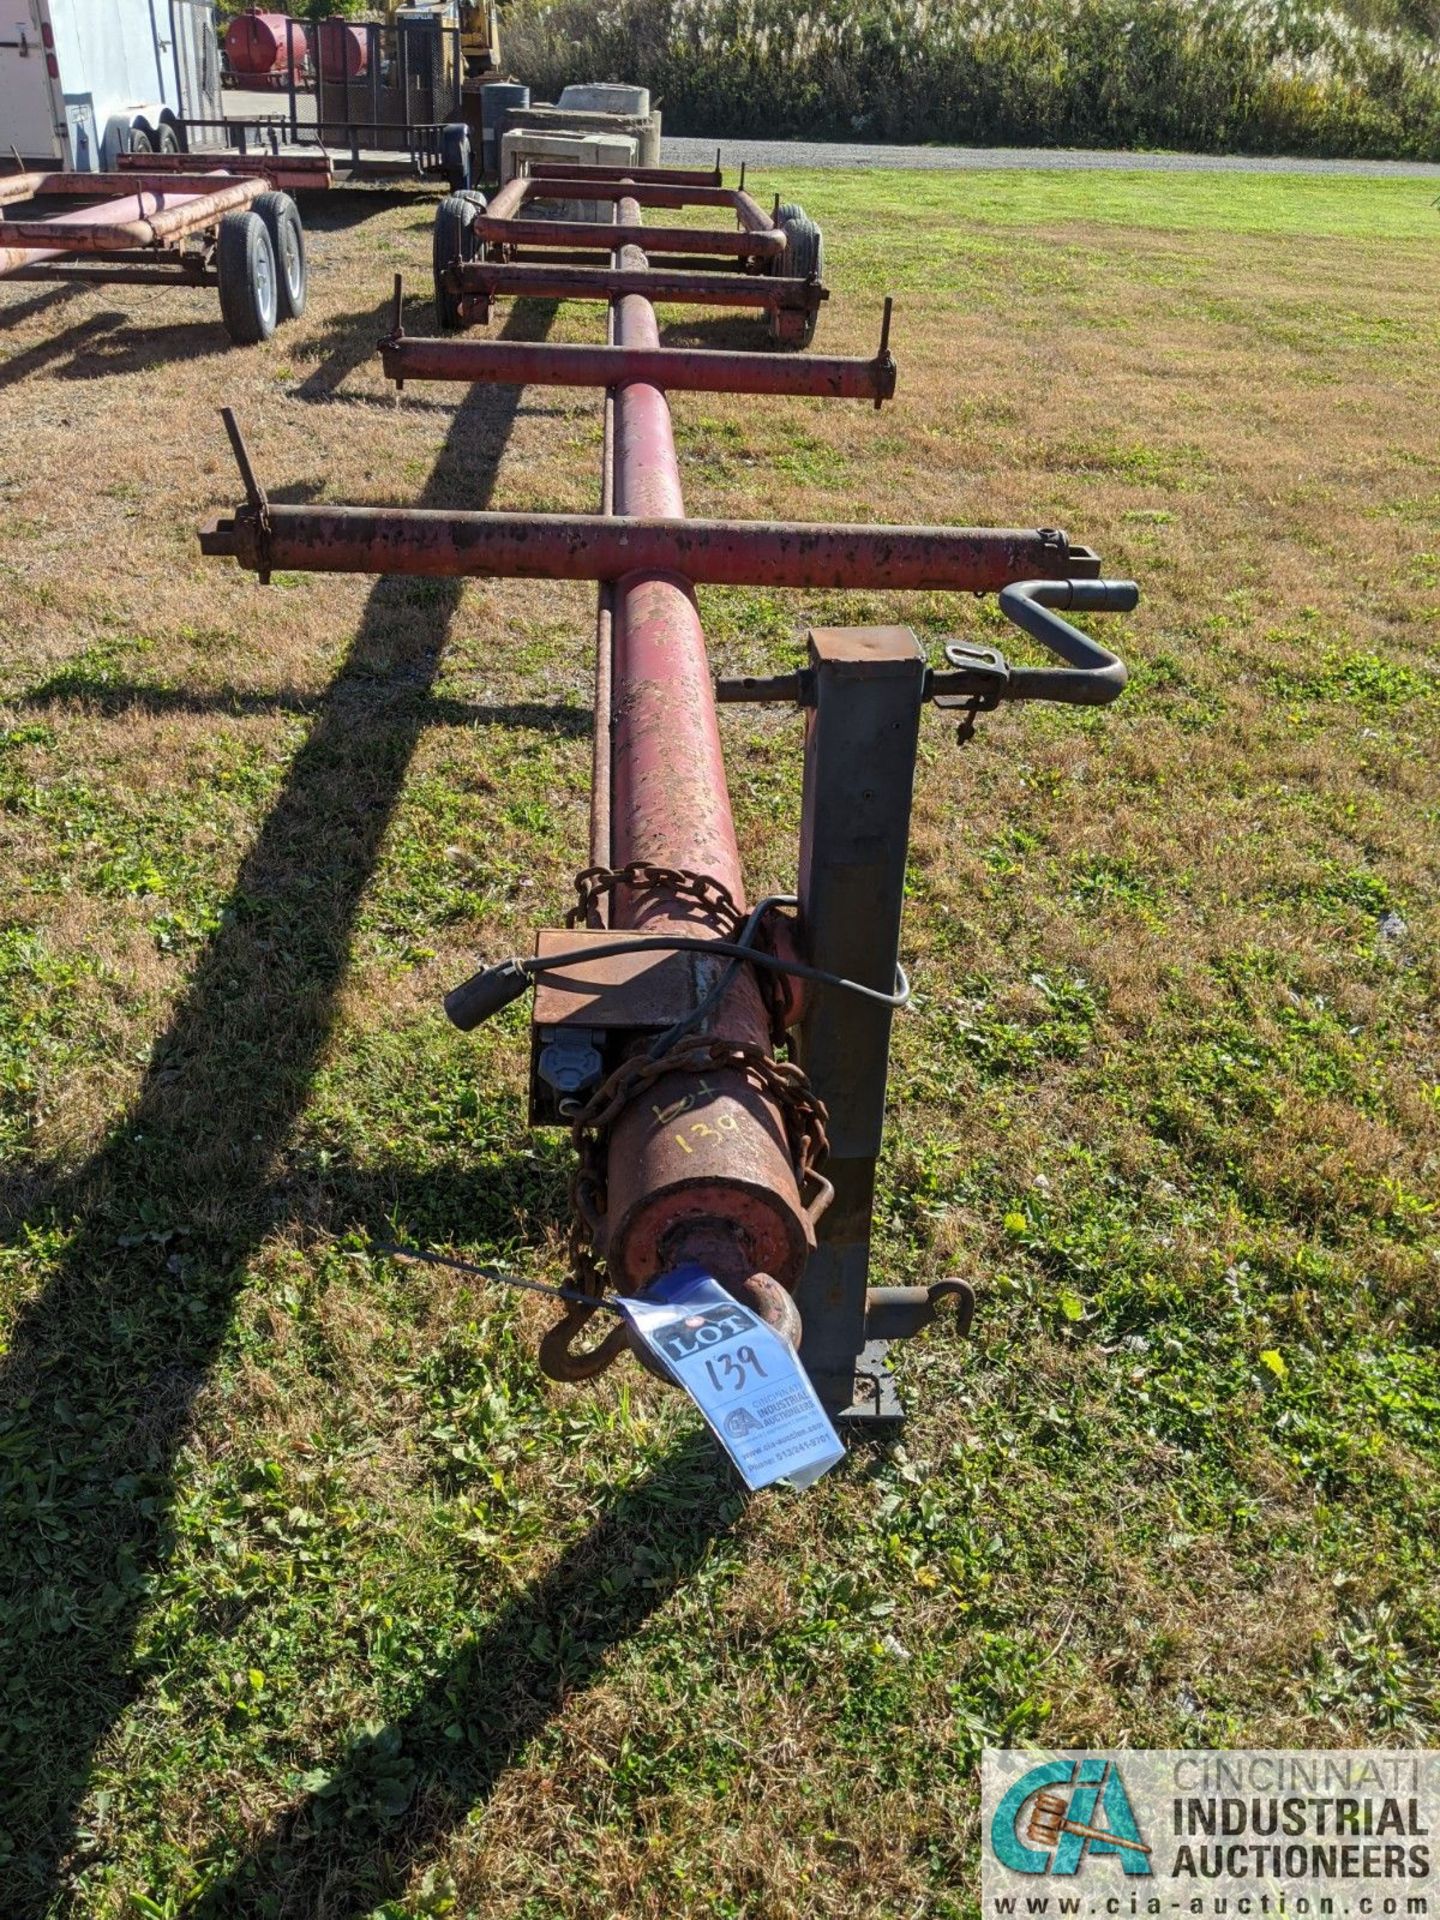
x,y
132,129
116,140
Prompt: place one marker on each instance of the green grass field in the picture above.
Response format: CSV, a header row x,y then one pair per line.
x,y
315,1597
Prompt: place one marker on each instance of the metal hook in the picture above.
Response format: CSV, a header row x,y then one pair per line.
x,y
558,1357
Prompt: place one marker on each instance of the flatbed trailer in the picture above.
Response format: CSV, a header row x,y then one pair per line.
x,y
304,172
306,167
395,112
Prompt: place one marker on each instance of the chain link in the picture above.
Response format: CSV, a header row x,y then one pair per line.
x,y
699,888
782,1081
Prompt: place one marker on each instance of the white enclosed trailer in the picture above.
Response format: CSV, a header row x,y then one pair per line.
x,y
83,81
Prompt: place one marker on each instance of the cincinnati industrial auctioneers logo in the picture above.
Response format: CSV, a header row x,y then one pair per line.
x,y
1242,1834
1057,1816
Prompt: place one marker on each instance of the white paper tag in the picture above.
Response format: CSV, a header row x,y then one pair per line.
x,y
745,1379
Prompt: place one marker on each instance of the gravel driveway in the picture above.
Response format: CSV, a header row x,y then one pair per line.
x,y
800,154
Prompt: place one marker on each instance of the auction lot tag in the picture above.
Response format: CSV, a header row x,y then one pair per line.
x,y
746,1380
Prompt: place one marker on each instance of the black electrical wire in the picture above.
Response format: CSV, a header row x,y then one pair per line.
x,y
727,979
731,949
396,1250
494,987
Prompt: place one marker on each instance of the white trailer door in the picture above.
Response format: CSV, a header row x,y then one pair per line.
x,y
28,96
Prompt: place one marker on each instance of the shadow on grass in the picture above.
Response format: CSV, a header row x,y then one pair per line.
x,y
144,1248
389,1802
742,332
348,342
142,346
15,313
352,340
81,342
342,209
114,698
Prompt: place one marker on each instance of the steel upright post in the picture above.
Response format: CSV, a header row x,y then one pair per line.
x,y
860,743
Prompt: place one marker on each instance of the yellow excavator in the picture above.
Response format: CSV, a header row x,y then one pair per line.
x,y
480,36
479,23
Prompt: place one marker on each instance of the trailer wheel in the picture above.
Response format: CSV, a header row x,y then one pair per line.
x,y
166,140
249,294
803,259
454,239
287,243
456,157
140,141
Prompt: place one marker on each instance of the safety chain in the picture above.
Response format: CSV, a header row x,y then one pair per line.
x,y
595,882
781,1081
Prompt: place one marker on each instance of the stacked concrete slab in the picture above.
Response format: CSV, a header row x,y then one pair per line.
x,y
522,145
603,110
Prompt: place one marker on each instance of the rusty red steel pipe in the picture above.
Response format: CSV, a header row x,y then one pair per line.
x,y
165,178
303,172
500,230
25,186
140,219
600,767
596,253
430,543
676,369
487,278
698,1169
541,169
600,185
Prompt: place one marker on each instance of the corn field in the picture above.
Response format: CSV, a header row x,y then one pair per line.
x,y
1236,75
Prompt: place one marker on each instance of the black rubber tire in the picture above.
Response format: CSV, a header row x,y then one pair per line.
x,y
165,139
454,238
140,141
457,156
249,279
804,257
287,242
